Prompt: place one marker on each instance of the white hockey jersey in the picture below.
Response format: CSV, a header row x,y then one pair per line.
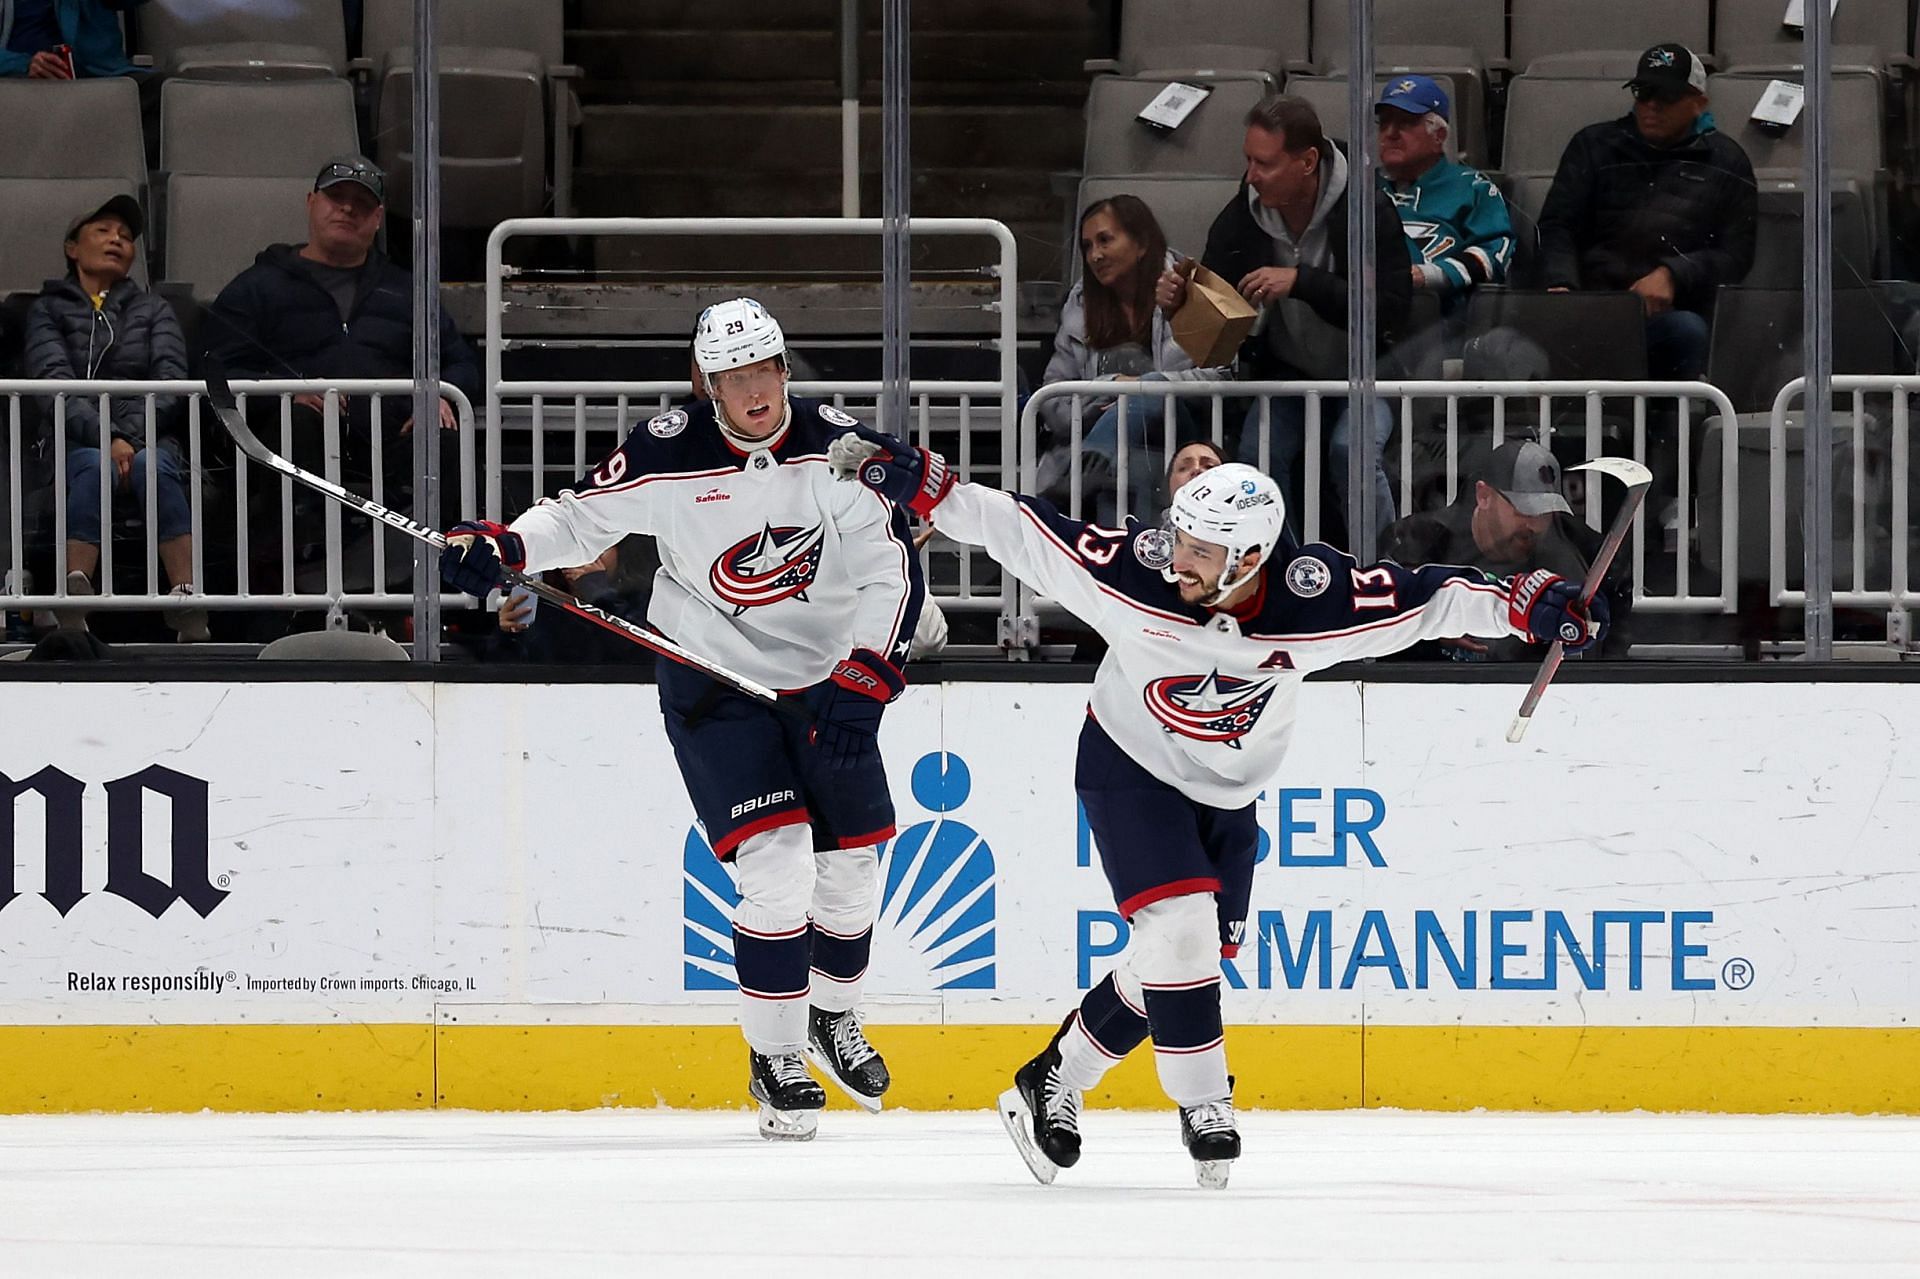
x,y
767,565
1206,700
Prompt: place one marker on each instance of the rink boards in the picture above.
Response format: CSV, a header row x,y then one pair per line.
x,y
300,896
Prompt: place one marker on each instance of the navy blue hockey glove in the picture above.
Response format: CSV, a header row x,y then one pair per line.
x,y
848,703
1547,607
474,555
912,477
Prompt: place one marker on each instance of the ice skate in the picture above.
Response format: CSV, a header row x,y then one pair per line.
x,y
1042,1114
1209,1134
790,1099
836,1044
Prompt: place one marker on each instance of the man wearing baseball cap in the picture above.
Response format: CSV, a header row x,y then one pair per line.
x,y
335,307
1458,230
1510,517
1658,201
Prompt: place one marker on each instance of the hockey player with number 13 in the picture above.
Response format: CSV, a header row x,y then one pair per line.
x,y
1210,634
774,571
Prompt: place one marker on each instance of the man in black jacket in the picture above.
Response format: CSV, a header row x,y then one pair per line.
x,y
1659,202
1282,242
335,307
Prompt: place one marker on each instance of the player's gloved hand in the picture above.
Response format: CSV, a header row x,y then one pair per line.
x,y
1548,607
848,703
912,477
475,552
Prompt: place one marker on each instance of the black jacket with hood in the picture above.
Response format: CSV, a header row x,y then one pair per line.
x,y
133,335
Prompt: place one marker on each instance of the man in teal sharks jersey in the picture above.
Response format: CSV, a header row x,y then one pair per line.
x,y
1458,230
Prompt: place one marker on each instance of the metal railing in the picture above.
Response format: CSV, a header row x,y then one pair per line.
x,y
199,439
1544,400
1877,537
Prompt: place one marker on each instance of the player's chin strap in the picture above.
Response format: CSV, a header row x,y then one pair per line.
x,y
1229,582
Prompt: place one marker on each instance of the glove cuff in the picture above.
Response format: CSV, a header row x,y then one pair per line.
x,y
866,672
1526,594
513,547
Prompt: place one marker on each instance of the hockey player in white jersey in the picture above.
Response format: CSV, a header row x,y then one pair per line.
x,y
1212,623
775,572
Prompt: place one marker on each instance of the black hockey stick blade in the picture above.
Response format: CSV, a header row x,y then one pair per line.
x,y
227,409
1636,477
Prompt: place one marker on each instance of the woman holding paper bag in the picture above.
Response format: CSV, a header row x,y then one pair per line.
x,y
1111,330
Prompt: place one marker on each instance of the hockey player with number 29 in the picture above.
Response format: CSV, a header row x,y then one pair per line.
x,y
1210,633
772,570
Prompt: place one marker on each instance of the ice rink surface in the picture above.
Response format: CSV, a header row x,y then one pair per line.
x,y
655,1192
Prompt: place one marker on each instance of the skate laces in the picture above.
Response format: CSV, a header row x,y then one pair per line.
x,y
1062,1103
788,1068
1211,1117
850,1042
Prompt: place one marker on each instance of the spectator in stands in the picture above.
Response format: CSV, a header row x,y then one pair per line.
x,y
620,582
1658,201
1192,458
1458,230
1111,331
1282,241
37,37
96,323
1510,517
336,307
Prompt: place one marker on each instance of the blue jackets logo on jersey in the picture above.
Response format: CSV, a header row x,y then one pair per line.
x,y
1209,708
935,928
772,565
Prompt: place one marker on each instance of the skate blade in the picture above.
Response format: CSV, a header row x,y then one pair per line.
x,y
871,1105
1017,1119
788,1125
1212,1173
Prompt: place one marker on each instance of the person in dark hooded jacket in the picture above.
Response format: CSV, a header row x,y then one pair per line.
x,y
335,307
97,323
1659,202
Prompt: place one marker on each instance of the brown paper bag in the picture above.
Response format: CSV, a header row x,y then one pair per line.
x,y
1215,319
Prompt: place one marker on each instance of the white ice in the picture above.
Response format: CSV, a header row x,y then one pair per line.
x,y
642,1193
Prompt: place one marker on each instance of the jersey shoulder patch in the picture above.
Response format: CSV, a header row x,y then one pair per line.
x,y
835,417
1309,576
1153,547
668,424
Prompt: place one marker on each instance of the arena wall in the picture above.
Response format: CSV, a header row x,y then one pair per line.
x,y
392,895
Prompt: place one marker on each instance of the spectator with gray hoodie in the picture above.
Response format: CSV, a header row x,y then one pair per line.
x,y
97,323
1110,330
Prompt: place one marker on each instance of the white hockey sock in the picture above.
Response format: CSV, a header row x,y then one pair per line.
x,y
771,938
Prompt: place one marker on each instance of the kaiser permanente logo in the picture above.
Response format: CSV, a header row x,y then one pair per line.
x,y
935,929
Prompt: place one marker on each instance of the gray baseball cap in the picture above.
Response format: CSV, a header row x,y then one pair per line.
x,y
352,168
1528,476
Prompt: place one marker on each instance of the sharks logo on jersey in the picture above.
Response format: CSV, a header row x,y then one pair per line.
x,y
775,564
1434,240
1209,708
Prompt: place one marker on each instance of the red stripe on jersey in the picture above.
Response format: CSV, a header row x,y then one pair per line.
x,y
1079,559
862,841
725,845
1178,888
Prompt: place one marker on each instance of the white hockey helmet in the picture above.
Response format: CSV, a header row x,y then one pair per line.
x,y
1235,506
734,334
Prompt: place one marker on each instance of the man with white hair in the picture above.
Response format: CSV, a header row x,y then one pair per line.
x,y
1459,232
1213,622
771,569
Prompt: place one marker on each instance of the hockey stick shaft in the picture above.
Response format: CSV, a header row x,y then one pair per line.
x,y
227,409
1637,479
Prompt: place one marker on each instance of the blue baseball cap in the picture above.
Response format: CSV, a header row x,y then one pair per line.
x,y
1417,94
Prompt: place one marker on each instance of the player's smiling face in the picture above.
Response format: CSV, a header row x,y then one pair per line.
x,y
752,397
1199,565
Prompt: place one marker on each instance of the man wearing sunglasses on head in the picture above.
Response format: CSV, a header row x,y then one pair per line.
x,y
1658,201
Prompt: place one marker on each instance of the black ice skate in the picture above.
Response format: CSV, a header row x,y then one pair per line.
x,y
838,1046
1042,1114
790,1100
1209,1134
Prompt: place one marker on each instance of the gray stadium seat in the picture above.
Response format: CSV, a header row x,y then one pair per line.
x,y
1544,112
1858,146
72,129
1185,207
1540,27
255,129
1406,25
1207,144
1588,336
216,226
1779,249
1328,94
38,211
1270,36
1617,65
488,50
219,38
1748,33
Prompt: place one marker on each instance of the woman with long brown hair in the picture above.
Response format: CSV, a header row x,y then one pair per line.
x,y
1111,330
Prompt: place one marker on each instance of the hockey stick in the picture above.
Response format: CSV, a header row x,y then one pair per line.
x,y
227,409
1636,477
